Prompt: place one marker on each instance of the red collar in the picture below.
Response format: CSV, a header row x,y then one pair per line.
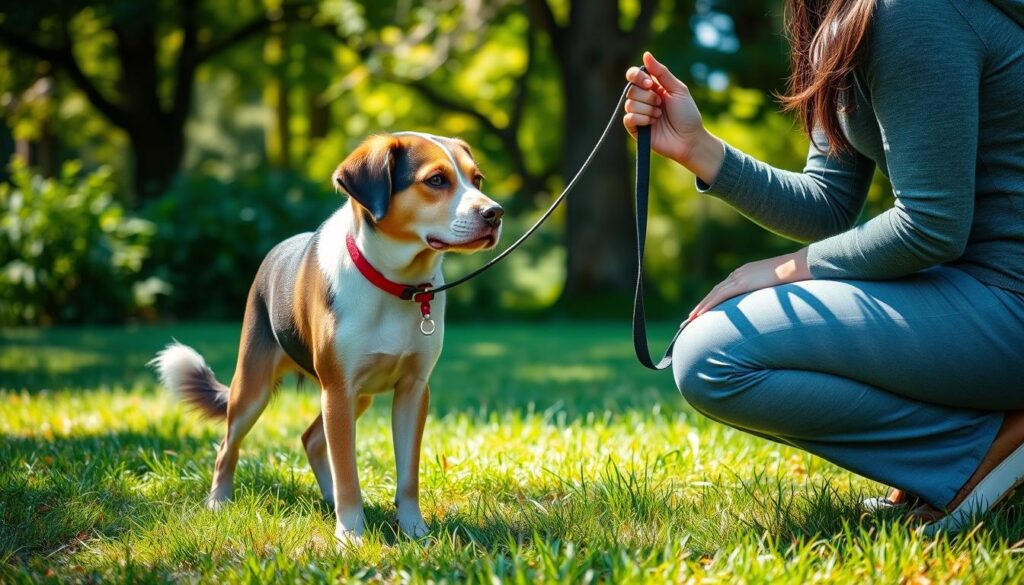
x,y
406,292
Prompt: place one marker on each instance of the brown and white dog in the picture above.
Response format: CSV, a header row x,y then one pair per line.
x,y
413,197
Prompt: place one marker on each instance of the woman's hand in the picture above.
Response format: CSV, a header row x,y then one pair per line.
x,y
755,276
663,102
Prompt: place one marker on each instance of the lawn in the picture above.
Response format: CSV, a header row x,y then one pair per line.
x,y
549,456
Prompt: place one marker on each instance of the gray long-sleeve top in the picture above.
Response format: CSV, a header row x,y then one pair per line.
x,y
939,108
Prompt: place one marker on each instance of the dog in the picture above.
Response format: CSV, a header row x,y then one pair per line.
x,y
328,305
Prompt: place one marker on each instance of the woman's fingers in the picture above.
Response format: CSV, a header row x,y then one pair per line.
x,y
723,291
643,95
642,106
639,78
635,107
631,121
661,73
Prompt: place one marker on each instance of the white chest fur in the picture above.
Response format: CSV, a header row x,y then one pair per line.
x,y
377,335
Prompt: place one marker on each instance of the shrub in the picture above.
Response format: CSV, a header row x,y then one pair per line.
x,y
212,235
68,252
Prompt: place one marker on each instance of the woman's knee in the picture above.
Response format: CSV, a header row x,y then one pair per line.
x,y
706,366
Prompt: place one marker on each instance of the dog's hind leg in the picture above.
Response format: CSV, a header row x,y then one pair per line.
x,y
258,360
316,449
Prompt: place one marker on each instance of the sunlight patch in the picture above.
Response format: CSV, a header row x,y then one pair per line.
x,y
487,349
560,373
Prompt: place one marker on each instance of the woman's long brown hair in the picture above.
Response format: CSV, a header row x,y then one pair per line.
x,y
825,38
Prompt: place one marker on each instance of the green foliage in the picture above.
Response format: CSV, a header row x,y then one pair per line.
x,y
549,456
211,236
68,251
286,104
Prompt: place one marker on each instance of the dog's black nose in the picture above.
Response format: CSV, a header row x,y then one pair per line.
x,y
492,215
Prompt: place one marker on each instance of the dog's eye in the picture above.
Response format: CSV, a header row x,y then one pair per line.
x,y
437,180
478,180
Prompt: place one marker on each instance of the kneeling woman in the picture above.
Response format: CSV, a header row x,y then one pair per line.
x,y
894,348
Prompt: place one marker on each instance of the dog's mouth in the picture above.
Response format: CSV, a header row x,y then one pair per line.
x,y
484,242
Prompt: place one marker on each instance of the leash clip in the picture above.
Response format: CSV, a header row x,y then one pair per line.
x,y
427,325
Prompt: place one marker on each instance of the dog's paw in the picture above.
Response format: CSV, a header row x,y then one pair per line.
x,y
349,527
412,525
348,539
215,502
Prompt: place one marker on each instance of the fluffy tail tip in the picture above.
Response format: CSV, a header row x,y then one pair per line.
x,y
184,372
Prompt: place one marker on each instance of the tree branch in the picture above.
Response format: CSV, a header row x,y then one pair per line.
x,y
542,15
519,99
115,113
186,72
287,13
509,135
64,58
28,47
642,25
446,103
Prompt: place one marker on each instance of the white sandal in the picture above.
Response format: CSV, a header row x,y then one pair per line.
x,y
885,504
992,489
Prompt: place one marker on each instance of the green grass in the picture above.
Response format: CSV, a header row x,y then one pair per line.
x,y
549,456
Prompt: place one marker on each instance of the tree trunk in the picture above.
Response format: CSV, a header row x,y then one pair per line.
x,y
600,235
319,115
156,134
158,144
282,122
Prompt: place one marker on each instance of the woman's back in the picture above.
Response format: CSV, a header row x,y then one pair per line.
x,y
943,86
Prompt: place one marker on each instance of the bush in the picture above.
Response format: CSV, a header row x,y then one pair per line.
x,y
68,251
211,236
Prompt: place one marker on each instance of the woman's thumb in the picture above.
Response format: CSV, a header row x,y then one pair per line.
x,y
661,73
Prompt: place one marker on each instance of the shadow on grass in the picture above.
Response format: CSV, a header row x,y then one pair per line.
x,y
90,357
60,492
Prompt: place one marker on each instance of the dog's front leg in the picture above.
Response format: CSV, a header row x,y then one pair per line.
x,y
408,414
339,412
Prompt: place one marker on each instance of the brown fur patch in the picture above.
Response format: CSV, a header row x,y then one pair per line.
x,y
286,365
314,317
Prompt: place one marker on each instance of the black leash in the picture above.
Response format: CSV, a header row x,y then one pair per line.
x,y
642,194
551,208
641,191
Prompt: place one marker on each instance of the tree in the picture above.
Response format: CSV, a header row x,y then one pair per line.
x,y
593,51
147,100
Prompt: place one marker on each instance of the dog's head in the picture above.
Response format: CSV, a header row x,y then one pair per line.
x,y
416,187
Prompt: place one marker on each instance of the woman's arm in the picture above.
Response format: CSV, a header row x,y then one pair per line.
x,y
823,200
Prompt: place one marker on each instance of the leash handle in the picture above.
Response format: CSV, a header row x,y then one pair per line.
x,y
641,192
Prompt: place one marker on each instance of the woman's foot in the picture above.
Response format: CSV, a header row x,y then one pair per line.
x,y
1009,442
897,498
900,497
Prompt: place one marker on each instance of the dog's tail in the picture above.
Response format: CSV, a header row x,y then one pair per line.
x,y
184,372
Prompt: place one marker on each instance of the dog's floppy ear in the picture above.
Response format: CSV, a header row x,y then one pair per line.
x,y
367,174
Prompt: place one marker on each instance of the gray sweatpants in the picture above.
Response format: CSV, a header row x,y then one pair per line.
x,y
901,381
